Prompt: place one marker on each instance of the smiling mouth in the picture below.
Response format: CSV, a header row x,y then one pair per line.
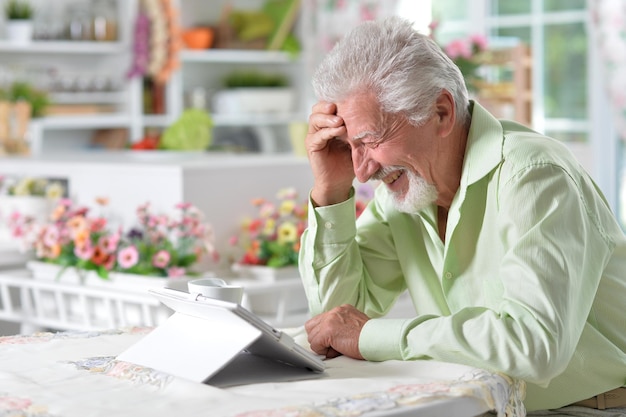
x,y
391,178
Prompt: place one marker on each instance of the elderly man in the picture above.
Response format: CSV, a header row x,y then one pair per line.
x,y
511,255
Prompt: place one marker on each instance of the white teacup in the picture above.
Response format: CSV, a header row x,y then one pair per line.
x,y
216,288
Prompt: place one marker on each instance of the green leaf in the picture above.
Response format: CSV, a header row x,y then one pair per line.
x,y
102,272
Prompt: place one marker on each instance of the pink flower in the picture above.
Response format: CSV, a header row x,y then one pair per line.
x,y
433,25
84,252
480,41
51,236
14,403
128,257
458,48
97,225
267,209
161,259
109,243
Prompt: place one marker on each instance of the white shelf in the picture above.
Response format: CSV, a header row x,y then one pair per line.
x,y
157,120
83,121
88,97
231,56
255,119
65,47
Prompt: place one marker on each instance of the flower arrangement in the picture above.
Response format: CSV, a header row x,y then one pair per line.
x,y
159,245
273,238
467,54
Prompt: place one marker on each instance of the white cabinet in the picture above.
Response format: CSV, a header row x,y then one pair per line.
x,y
198,71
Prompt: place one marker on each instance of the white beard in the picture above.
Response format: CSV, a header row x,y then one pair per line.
x,y
419,195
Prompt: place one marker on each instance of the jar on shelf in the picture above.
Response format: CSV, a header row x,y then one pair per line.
x,y
78,26
104,20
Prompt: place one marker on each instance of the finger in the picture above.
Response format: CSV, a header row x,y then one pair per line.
x,y
326,140
319,348
332,353
324,107
312,329
311,323
319,121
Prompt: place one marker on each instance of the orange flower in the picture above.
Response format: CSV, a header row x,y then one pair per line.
x,y
55,250
58,212
82,237
77,223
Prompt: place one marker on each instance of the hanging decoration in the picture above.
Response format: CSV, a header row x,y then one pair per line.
x,y
141,44
157,41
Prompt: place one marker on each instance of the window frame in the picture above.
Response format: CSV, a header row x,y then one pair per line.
x,y
601,154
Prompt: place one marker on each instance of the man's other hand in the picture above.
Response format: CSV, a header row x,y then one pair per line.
x,y
336,332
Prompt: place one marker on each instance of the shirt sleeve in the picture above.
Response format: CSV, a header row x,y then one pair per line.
x,y
332,267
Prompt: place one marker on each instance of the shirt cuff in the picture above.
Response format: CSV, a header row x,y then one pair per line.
x,y
337,222
381,339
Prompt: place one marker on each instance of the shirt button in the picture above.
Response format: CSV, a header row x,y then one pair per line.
x,y
448,275
328,225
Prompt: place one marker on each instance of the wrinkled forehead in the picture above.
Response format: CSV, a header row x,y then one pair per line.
x,y
361,114
366,121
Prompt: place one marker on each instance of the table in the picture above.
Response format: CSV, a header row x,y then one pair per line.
x,y
69,374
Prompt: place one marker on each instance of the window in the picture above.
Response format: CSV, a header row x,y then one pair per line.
x,y
566,84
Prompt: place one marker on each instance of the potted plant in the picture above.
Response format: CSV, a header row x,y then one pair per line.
x,y
270,241
19,24
24,91
31,197
158,246
254,92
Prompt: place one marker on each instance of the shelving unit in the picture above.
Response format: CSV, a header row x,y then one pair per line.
x,y
123,108
507,88
95,93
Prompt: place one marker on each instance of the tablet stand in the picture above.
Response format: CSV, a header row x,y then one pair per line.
x,y
210,350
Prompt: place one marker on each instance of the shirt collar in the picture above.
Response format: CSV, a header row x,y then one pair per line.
x,y
483,152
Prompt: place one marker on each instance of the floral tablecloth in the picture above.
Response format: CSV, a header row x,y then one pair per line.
x,y
70,374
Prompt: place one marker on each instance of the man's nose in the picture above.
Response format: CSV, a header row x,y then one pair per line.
x,y
364,166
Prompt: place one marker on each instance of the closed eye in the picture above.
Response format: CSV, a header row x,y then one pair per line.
x,y
371,144
368,139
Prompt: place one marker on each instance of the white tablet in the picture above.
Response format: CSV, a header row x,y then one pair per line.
x,y
220,343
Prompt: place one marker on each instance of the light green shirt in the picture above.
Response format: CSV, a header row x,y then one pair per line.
x,y
531,279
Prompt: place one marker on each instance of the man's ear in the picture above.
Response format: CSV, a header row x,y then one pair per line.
x,y
446,113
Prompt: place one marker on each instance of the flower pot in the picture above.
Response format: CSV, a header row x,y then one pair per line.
x,y
198,38
121,280
19,31
37,207
265,273
266,302
254,100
